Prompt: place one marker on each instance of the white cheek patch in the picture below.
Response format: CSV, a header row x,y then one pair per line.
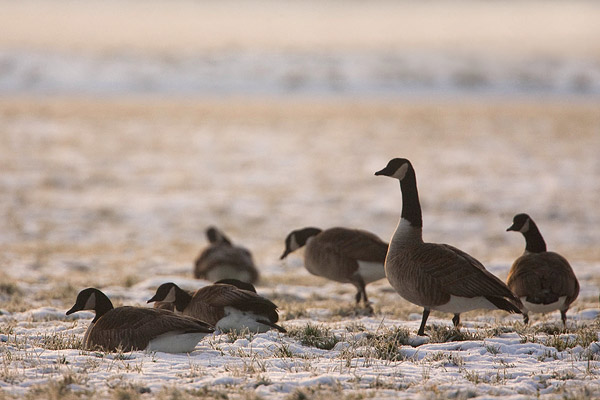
x,y
90,304
525,227
294,243
401,172
170,298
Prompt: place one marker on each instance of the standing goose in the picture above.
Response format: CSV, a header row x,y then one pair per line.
x,y
223,260
225,306
342,255
543,280
137,328
436,276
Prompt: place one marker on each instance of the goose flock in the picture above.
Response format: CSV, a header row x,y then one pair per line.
x,y
434,276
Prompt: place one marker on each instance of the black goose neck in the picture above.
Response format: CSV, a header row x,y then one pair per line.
x,y
534,242
411,207
103,305
182,298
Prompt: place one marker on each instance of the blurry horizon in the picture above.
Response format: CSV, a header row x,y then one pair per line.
x,y
378,49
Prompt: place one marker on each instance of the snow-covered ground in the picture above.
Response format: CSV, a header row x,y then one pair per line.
x,y
117,196
206,116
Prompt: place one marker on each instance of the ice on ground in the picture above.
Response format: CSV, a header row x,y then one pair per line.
x,y
118,195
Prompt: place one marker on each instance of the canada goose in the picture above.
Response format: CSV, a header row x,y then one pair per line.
x,y
137,328
543,280
224,306
342,255
165,305
221,260
436,276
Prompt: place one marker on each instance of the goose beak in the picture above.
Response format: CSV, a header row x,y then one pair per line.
x,y
72,310
153,299
284,255
512,228
382,172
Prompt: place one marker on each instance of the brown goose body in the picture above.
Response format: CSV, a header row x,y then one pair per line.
x,y
136,328
543,280
342,255
221,260
225,306
444,278
436,276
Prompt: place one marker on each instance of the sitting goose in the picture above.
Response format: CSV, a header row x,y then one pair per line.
x,y
137,328
343,255
225,306
222,260
436,276
165,305
543,280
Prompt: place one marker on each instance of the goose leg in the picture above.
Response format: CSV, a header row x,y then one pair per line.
x,y
526,318
423,321
358,281
366,301
563,316
364,295
456,320
358,296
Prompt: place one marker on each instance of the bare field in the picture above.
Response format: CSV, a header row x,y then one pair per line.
x,y
117,194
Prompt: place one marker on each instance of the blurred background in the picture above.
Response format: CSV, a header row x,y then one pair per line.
x,y
127,127
300,48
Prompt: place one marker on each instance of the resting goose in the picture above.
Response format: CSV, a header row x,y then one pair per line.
x,y
225,306
166,305
222,260
137,328
543,280
436,276
342,255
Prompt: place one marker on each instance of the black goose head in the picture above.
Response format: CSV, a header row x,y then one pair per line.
x,y
297,239
171,293
91,299
521,223
396,168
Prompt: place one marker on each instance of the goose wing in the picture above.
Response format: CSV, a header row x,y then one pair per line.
x,y
132,328
543,278
460,274
355,244
223,295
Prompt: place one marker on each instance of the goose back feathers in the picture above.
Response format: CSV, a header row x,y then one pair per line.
x,y
136,328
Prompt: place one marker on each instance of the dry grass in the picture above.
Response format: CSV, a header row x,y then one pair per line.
x,y
102,233
111,193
